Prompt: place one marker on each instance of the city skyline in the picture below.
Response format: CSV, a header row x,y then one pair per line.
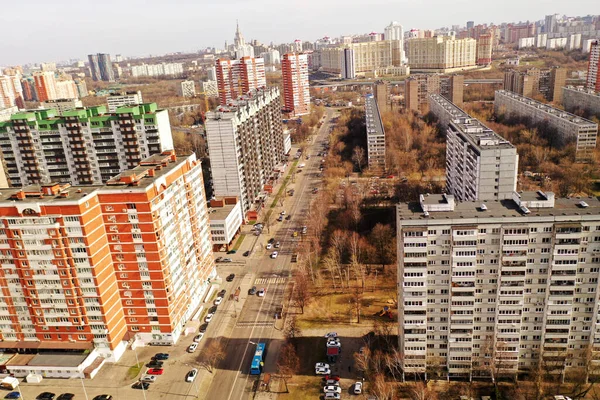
x,y
190,31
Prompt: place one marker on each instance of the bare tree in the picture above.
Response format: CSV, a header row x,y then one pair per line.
x,y
288,363
211,355
292,331
358,156
362,360
382,238
357,303
381,388
301,295
420,391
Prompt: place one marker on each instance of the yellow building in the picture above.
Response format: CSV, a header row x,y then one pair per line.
x,y
441,54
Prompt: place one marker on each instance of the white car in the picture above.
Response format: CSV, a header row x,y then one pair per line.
x,y
148,378
209,317
274,254
332,389
198,337
331,382
191,375
269,246
358,388
192,347
334,344
322,371
331,335
277,245
282,213
302,165
321,365
332,396
261,292
218,300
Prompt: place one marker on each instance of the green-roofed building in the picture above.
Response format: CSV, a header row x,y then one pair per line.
x,y
81,145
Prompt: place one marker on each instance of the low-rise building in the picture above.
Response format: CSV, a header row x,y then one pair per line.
x,y
123,99
225,216
567,127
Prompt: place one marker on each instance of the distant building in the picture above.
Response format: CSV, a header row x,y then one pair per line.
x,y
485,43
375,134
418,88
533,82
541,40
550,24
480,164
574,42
61,105
81,88
252,129
296,95
101,67
237,77
593,76
122,99
11,91
383,95
225,216
556,43
210,88
441,54
187,89
162,69
348,69
526,42
45,85
368,56
569,127
581,99
240,48
6,113
82,146
395,33
211,73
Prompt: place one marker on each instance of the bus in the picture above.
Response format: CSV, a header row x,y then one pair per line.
x,y
258,360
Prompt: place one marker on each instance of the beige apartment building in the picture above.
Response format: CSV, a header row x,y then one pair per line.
x,y
368,56
441,54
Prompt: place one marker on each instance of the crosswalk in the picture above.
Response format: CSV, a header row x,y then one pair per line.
x,y
258,324
263,281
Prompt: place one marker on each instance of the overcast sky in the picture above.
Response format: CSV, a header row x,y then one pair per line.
x,y
42,30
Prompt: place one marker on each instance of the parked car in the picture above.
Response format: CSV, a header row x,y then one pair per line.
x,y
192,347
191,375
45,396
219,259
288,217
358,387
161,356
140,385
321,365
331,335
198,337
154,364
282,213
331,382
332,389
230,277
332,396
332,377
246,253
269,246
232,252
65,396
202,328
218,301
322,371
252,291
261,292
222,293
277,245
280,218
227,260
272,240
13,395
148,378
208,317
103,397
274,254
155,371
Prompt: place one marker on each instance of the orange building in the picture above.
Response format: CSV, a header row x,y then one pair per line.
x,y
296,95
45,85
92,266
237,77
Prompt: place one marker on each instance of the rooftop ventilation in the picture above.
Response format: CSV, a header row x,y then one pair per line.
x,y
525,210
583,204
483,207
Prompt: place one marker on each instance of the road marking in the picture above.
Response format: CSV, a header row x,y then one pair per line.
x,y
257,324
261,281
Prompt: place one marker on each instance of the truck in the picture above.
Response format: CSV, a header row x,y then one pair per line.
x,y
9,383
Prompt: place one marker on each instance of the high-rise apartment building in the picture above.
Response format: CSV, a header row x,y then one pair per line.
x,y
480,164
497,287
418,88
101,67
81,146
569,128
45,85
368,56
375,134
123,99
532,82
395,33
237,77
485,43
577,99
441,54
294,73
245,143
550,25
348,68
83,266
187,89
593,75
11,91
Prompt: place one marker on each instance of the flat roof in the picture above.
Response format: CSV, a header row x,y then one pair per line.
x,y
374,127
220,213
57,360
582,122
563,207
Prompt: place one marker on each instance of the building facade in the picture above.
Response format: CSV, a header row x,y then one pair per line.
x,y
61,105
101,68
237,77
593,75
123,99
245,143
294,73
533,82
441,54
81,146
581,99
418,88
187,89
162,69
568,127
225,217
480,164
375,134
83,266
348,66
493,288
11,92
485,44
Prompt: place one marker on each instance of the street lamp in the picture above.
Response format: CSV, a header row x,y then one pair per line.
x,y
137,361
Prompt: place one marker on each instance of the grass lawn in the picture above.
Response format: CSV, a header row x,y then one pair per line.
x,y
134,371
239,241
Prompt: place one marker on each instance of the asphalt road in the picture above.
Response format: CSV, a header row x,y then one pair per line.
x,y
255,321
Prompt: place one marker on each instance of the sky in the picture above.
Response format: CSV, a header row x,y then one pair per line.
x,y
50,31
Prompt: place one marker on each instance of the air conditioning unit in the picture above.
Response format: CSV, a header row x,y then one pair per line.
x,y
126,285
121,267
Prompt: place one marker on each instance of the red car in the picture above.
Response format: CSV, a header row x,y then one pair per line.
x,y
155,371
332,377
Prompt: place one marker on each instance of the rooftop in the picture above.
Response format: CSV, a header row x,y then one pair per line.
x,y
373,118
583,89
582,122
220,213
563,208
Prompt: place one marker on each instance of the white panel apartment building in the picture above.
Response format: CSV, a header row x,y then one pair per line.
x,y
480,164
579,98
245,143
375,134
569,127
81,146
498,283
116,100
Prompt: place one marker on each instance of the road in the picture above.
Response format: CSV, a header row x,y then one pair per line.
x,y
255,322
